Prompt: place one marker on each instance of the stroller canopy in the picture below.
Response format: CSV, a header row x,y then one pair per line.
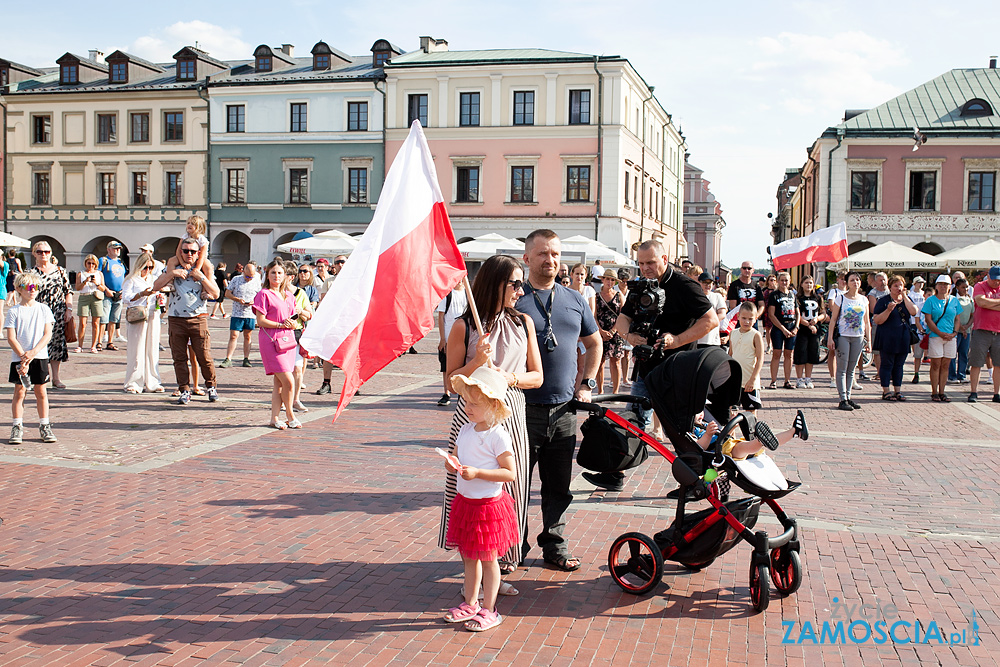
x,y
689,382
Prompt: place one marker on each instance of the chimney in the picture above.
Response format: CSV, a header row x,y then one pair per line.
x,y
96,56
288,49
993,62
431,45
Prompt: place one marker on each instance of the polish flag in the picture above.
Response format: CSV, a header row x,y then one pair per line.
x,y
825,245
730,321
406,262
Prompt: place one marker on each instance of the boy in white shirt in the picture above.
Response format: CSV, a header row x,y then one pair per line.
x,y
29,328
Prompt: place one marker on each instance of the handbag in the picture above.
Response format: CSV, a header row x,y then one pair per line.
x,y
283,341
98,295
608,447
136,314
71,330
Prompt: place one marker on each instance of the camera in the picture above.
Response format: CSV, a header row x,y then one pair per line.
x,y
646,300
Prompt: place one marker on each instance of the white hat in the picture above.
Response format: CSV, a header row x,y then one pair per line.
x,y
919,279
490,381
148,247
943,278
596,271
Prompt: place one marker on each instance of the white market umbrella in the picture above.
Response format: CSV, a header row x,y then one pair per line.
x,y
11,241
889,256
595,250
483,247
976,256
327,244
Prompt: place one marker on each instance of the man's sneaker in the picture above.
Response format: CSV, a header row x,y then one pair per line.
x,y
856,385
121,339
213,394
854,405
16,435
809,384
606,480
324,389
833,383
246,363
973,397
184,398
844,405
45,430
800,384
444,400
226,363
862,376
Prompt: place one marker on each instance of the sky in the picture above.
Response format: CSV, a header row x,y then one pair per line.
x,y
751,84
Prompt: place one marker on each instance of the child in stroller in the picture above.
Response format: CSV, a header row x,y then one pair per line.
x,y
680,389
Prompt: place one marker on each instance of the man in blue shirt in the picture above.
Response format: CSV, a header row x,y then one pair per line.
x,y
114,277
561,317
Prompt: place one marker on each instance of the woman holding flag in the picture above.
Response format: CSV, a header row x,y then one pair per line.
x,y
508,344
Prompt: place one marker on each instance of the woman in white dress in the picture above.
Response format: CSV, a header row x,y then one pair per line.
x,y
142,372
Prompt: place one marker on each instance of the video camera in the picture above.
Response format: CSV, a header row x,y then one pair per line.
x,y
645,300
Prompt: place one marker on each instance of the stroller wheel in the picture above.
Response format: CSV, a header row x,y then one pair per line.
x,y
635,563
786,570
760,588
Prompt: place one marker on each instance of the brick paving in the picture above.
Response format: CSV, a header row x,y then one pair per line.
x,y
159,535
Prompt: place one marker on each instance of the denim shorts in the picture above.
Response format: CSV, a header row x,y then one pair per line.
x,y
242,323
112,311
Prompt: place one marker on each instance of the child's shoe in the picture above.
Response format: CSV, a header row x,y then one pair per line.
x,y
45,430
16,435
799,424
484,620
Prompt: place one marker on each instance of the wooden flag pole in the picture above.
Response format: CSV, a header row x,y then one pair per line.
x,y
472,305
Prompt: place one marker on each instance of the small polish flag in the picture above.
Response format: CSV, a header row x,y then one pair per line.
x,y
825,245
730,321
405,263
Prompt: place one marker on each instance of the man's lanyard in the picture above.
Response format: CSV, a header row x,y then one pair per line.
x,y
548,335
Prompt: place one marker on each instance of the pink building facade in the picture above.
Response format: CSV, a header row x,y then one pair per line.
x,y
703,221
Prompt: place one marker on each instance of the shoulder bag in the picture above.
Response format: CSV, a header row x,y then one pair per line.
x,y
136,314
926,340
283,340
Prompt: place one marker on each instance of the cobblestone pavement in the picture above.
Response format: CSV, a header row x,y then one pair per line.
x,y
158,535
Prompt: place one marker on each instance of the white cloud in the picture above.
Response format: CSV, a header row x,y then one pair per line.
x,y
220,42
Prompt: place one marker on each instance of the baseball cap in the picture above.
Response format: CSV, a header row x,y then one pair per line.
x,y
919,279
322,260
995,273
706,278
114,244
943,278
148,247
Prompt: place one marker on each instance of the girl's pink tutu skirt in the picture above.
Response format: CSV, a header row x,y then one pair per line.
x,y
482,528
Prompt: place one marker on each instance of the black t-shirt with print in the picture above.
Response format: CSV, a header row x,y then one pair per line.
x,y
740,292
784,307
810,306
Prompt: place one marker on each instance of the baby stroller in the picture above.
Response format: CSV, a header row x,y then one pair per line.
x,y
681,387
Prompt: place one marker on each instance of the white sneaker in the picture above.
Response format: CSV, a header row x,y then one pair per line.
x,y
800,384
856,385
833,384
121,339
809,383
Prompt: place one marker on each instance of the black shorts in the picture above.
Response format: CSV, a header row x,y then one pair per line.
x,y
806,348
38,372
443,358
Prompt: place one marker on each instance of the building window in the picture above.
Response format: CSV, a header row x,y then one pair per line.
x,y
522,184
923,190
107,194
185,70
298,186
41,194
69,74
139,128
298,110
468,115
236,185
381,58
578,184
107,128
140,189
175,195
627,179
236,118
321,61
119,72
417,110
864,190
4,75
357,184
357,116
981,189
579,107
173,126
41,132
524,107
468,184
263,64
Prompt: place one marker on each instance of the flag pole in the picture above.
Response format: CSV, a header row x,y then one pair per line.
x,y
472,305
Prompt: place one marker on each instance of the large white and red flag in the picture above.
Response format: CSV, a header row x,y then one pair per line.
x,y
826,245
405,263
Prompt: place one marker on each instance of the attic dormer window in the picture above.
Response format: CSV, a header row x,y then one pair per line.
x,y
977,107
321,61
69,73
381,57
186,70
4,75
119,72
263,63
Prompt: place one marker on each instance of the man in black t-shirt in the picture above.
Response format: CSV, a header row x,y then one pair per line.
x,y
743,289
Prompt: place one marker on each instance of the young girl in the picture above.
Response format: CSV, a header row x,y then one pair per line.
x,y
747,347
483,522
277,316
195,229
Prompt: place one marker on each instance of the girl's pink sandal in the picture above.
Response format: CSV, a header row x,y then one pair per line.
x,y
462,612
484,620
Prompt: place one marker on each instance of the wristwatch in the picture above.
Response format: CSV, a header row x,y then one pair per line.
x,y
588,384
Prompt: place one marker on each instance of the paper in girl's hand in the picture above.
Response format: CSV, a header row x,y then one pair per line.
x,y
453,460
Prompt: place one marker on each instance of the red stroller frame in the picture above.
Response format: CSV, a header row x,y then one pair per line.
x,y
635,560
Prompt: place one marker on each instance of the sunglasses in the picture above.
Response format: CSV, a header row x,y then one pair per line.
x,y
340,261
43,252
515,284
189,251
746,268
304,271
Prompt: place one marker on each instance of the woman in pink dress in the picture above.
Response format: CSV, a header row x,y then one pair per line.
x,y
277,312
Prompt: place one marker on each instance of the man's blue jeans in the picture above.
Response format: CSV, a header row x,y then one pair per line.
x,y
958,368
644,417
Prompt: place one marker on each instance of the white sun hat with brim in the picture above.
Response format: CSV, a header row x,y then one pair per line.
x,y
489,380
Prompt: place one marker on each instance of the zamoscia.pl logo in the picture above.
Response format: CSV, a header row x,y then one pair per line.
x,y
876,623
